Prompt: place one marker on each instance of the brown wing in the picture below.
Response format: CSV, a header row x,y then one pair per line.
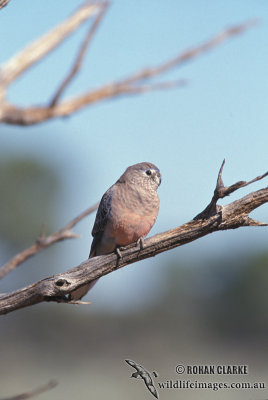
x,y
101,219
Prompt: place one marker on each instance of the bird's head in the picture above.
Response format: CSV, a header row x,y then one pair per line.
x,y
143,174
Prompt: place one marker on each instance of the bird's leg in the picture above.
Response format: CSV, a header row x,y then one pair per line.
x,y
140,242
118,252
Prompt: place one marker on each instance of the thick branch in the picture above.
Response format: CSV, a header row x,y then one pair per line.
x,y
34,115
45,241
133,84
58,287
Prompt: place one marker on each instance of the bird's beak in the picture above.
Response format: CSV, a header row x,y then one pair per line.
x,y
157,178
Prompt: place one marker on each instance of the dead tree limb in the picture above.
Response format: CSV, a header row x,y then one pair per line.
x,y
138,82
45,241
58,287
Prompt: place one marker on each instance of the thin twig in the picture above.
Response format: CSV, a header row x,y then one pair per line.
x,y
45,241
81,54
189,54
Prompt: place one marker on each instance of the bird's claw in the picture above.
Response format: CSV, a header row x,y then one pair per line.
x,y
140,242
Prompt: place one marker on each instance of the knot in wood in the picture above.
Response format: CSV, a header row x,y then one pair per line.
x,y
62,282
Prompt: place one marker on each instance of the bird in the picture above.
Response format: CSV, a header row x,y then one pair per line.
x,y
142,373
126,214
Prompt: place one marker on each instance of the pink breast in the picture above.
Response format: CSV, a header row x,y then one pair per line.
x,y
129,228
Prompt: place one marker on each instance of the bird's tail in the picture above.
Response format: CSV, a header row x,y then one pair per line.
x,y
81,292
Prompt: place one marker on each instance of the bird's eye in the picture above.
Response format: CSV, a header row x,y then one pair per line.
x,y
148,172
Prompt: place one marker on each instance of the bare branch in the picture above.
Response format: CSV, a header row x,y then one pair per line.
x,y
34,115
45,241
58,287
78,62
28,395
33,53
4,3
190,54
133,84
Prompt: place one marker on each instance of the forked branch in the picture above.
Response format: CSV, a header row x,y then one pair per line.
x,y
214,218
222,191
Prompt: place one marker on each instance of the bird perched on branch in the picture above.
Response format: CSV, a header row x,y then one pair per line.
x,y
126,213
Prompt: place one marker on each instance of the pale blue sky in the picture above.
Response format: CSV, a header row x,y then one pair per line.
x,y
186,132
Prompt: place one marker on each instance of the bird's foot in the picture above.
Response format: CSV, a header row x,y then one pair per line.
x,y
140,242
